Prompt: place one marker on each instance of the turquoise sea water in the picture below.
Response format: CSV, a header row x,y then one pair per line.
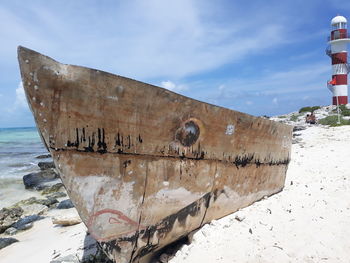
x,y
18,149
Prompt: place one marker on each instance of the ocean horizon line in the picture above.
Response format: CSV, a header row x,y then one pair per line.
x,y
19,127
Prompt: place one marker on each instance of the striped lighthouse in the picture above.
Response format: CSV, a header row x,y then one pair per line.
x,y
337,50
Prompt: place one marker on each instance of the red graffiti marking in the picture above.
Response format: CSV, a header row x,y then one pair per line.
x,y
116,217
120,217
113,220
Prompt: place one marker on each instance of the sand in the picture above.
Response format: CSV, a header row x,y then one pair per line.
x,y
46,241
307,222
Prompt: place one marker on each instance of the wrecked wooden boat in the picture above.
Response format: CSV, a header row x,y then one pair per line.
x,y
145,166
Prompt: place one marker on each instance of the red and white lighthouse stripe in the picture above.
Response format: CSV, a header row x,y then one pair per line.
x,y
338,49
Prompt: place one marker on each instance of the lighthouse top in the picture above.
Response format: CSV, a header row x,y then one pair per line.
x,y
339,22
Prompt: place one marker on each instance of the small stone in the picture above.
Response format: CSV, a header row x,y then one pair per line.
x,y
34,200
65,204
52,189
34,209
46,165
29,201
11,231
25,222
56,195
240,218
47,201
25,227
43,156
250,231
9,216
66,259
298,128
4,242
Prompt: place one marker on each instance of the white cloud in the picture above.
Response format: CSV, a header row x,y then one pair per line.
x,y
283,90
298,79
249,102
168,85
172,86
20,102
221,87
143,39
159,40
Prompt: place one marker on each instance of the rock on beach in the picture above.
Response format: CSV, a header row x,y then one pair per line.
x,y
46,165
45,178
40,180
55,194
11,231
34,209
9,216
67,219
43,156
65,204
48,201
26,222
53,189
6,241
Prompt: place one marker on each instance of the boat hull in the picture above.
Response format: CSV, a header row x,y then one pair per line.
x,y
145,166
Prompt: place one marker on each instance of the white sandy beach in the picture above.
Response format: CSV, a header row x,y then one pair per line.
x,y
45,241
307,222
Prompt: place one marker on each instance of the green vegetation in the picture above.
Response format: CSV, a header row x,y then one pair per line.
x,y
282,117
332,121
295,117
309,109
344,110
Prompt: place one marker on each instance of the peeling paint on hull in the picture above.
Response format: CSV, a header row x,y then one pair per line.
x,y
145,166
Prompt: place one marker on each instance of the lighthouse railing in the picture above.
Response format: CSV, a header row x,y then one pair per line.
x,y
341,35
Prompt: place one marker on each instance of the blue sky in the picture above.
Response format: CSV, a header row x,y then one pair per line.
x,y
260,57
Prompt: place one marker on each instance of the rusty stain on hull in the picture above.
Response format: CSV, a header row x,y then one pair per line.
x,y
145,166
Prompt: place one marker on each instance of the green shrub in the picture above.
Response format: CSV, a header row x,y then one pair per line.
x,y
345,113
344,110
332,121
309,109
294,117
